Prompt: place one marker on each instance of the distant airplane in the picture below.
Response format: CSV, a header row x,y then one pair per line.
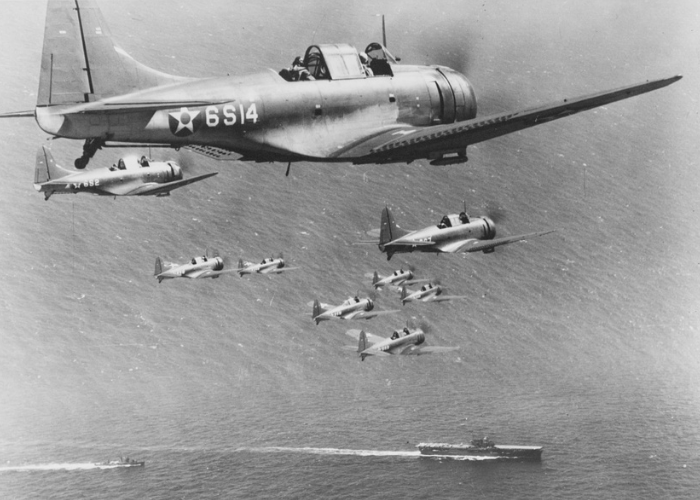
x,y
210,265
397,278
352,308
128,177
427,293
454,233
401,342
267,266
334,105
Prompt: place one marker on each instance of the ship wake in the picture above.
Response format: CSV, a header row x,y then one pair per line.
x,y
55,466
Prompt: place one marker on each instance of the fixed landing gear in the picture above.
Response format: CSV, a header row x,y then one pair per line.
x,y
89,149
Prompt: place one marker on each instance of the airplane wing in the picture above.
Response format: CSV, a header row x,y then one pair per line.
x,y
279,270
212,274
418,350
474,245
371,338
153,188
406,143
444,298
369,314
409,244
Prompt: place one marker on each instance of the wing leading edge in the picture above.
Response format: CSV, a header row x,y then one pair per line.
x,y
407,144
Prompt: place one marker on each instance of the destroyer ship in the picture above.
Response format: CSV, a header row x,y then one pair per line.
x,y
481,448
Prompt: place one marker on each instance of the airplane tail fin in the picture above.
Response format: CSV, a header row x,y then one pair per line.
x,y
375,278
240,264
389,231
79,61
317,310
45,168
362,345
403,295
159,267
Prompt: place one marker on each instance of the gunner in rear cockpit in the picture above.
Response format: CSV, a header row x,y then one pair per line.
x,y
365,64
445,222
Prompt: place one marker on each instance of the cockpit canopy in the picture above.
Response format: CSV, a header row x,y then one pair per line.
x,y
338,61
453,220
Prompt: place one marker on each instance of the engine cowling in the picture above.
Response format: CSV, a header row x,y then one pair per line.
x,y
489,229
420,338
175,171
370,305
218,264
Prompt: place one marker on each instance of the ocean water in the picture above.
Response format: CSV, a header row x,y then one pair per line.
x,y
584,341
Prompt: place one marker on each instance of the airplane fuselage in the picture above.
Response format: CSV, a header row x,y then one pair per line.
x,y
425,294
265,267
396,278
396,346
193,269
263,116
437,238
108,181
346,310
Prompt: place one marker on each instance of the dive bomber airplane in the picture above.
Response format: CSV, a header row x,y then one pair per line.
x,y
128,177
397,278
267,266
454,233
210,265
404,342
352,308
91,90
427,293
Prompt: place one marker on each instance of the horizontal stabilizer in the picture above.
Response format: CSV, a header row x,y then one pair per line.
x,y
18,114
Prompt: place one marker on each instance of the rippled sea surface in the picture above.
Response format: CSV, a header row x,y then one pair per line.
x,y
584,341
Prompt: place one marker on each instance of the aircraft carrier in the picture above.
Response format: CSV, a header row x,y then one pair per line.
x,y
481,448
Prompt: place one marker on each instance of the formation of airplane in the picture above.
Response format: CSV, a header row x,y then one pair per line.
x,y
427,293
210,265
397,278
454,233
130,176
401,342
267,266
332,106
379,112
352,308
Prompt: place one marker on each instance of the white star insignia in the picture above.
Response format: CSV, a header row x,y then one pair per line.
x,y
185,119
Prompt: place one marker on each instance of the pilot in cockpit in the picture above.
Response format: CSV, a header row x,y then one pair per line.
x,y
194,261
445,222
144,161
406,331
463,218
120,164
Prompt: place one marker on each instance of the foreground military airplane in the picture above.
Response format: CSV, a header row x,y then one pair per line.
x,y
454,233
352,308
397,278
91,90
128,177
210,265
427,293
400,342
267,266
